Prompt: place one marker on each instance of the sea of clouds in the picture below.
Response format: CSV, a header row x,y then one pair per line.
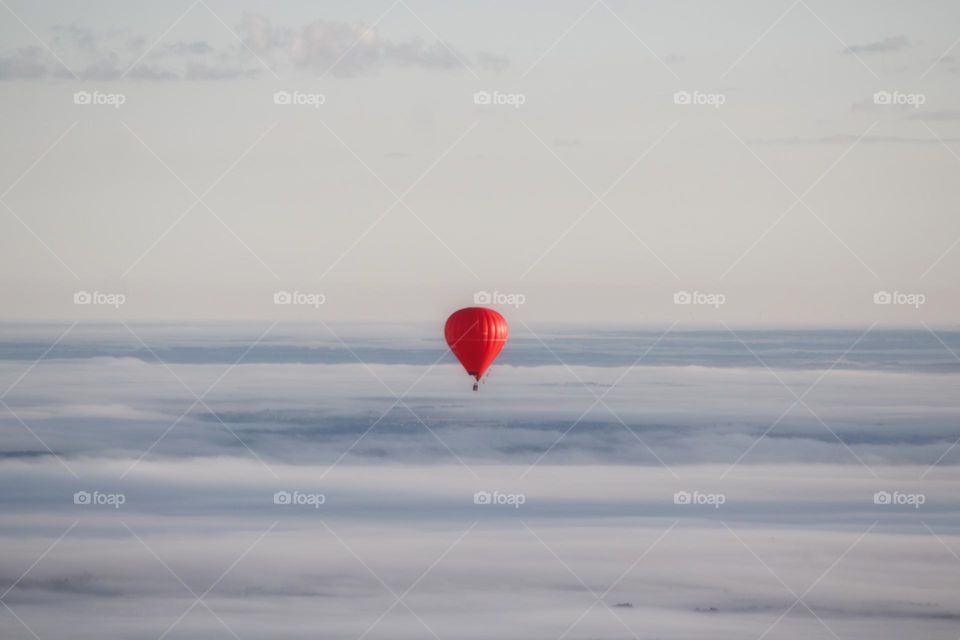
x,y
154,487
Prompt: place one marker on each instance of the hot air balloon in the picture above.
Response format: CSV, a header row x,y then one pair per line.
x,y
476,335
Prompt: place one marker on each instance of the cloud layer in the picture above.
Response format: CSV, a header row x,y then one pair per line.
x,y
166,475
318,47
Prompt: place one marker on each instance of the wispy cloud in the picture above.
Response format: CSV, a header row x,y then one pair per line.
x,y
889,44
340,48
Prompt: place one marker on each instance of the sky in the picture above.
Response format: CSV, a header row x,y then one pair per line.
x,y
785,185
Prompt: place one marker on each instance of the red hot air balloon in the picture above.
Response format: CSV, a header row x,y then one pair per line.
x,y
476,335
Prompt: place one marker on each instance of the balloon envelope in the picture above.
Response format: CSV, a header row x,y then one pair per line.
x,y
476,335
